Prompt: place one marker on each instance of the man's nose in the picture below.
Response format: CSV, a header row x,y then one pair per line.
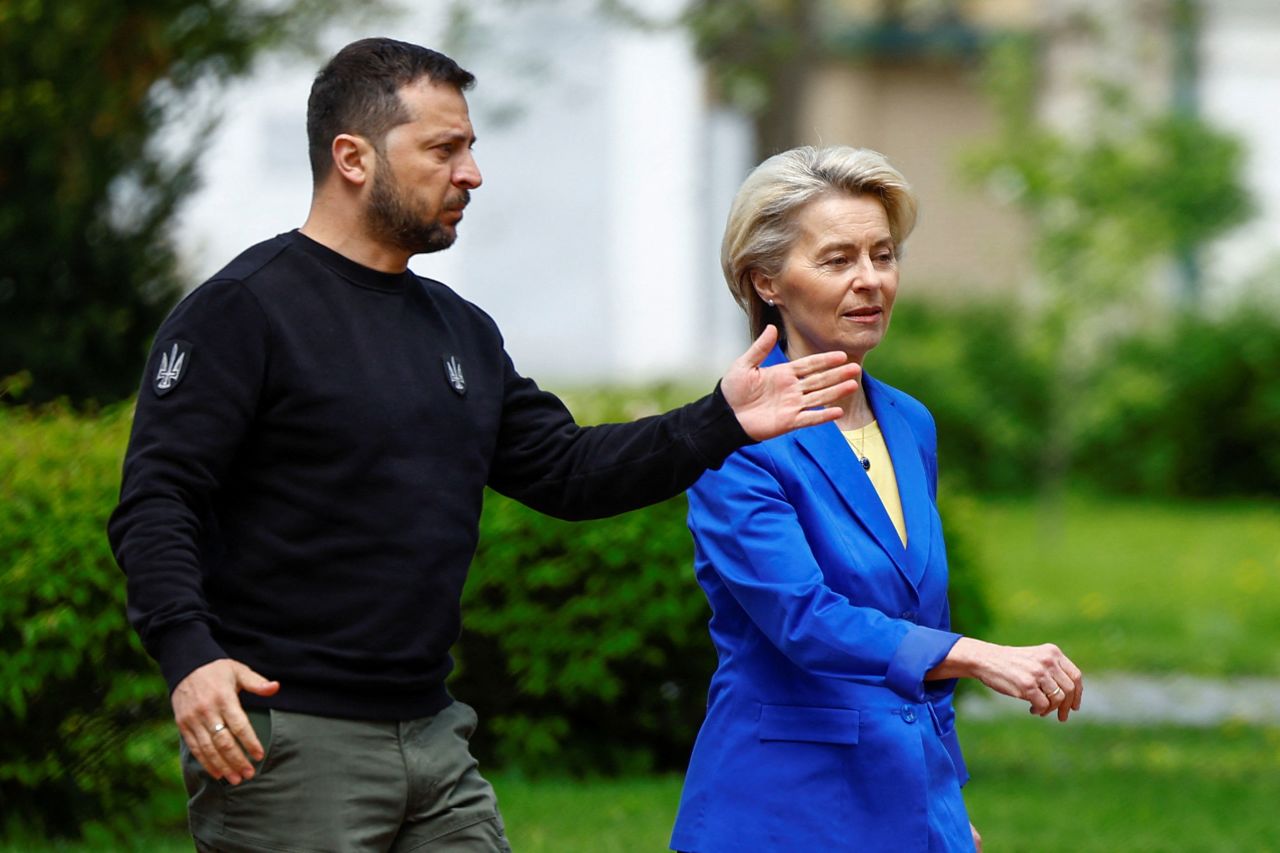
x,y
467,173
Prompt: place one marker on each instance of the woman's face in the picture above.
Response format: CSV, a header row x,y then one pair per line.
x,y
837,285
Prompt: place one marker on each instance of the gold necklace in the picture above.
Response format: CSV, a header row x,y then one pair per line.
x,y
860,448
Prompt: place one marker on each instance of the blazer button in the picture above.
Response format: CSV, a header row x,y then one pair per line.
x,y
909,615
908,714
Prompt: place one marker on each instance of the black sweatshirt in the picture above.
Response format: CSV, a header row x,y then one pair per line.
x,y
303,484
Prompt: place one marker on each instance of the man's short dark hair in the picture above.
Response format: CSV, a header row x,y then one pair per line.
x,y
358,92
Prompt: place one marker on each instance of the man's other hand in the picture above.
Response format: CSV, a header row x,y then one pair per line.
x,y
206,705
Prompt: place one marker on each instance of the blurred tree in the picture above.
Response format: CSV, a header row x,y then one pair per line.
x,y
87,266
761,55
1120,193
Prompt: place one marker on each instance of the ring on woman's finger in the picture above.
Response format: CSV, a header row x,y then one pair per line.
x,y
217,727
1057,688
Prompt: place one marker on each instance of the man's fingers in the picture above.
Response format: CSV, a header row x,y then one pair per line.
x,y
238,725
829,377
220,744
813,417
830,394
217,745
813,364
252,682
238,766
200,742
760,347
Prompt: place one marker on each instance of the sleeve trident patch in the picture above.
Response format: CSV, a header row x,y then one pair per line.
x,y
175,358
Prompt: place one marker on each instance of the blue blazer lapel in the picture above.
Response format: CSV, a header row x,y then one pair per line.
x,y
835,460
913,488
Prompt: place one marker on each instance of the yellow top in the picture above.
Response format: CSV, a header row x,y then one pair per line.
x,y
868,443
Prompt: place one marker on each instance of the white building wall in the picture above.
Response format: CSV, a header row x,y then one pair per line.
x,y
1240,91
593,240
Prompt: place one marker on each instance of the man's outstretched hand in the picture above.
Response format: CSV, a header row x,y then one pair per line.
x,y
774,400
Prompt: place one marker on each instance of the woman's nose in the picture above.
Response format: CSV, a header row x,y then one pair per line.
x,y
863,274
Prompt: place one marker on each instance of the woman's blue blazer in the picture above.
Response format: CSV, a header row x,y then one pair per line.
x,y
821,732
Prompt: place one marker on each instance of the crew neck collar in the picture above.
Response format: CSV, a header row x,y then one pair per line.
x,y
356,273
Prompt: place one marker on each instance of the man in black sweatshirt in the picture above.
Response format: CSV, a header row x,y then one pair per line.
x,y
303,485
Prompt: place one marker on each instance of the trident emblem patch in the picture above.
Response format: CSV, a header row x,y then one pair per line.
x,y
453,372
173,366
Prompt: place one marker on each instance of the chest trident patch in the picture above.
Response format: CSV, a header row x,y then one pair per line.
x,y
453,372
173,366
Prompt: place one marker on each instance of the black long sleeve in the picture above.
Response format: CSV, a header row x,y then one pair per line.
x,y
304,495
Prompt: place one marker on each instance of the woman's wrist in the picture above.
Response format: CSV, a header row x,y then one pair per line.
x,y
961,662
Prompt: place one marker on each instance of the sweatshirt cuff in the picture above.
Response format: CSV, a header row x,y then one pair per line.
x,y
184,648
712,429
920,651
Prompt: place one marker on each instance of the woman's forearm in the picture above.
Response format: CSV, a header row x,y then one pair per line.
x,y
961,662
1042,675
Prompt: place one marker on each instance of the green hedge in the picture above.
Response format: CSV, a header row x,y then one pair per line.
x,y
1192,409
585,646
983,381
87,735
1184,408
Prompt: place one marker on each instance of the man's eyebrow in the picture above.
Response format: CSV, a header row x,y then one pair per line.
x,y
450,136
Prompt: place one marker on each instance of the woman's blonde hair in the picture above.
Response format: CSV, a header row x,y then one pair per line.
x,y
762,221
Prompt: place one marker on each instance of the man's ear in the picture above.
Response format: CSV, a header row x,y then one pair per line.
x,y
764,287
353,158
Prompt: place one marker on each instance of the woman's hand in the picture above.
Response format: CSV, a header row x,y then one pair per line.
x,y
1042,675
977,839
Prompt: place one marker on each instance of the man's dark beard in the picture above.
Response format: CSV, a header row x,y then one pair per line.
x,y
391,219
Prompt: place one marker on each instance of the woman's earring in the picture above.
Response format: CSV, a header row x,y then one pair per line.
x,y
769,302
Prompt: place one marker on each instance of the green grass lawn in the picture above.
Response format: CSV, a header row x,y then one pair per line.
x,y
1137,585
1037,786
1042,786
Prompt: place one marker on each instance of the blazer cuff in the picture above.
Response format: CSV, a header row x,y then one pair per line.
x,y
920,651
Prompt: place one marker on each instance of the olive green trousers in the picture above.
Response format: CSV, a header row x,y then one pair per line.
x,y
329,785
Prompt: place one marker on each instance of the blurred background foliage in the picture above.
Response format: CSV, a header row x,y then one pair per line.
x,y
1127,189
88,734
101,128
1183,407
